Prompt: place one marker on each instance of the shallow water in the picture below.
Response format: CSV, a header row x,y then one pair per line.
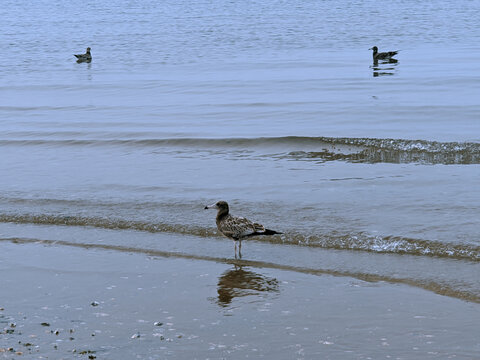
x,y
370,170
75,303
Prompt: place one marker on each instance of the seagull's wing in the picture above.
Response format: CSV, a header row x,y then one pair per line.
x,y
258,227
238,227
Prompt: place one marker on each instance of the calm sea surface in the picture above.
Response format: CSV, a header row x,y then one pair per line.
x,y
370,171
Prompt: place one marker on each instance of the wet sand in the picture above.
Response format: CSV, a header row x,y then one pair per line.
x,y
62,302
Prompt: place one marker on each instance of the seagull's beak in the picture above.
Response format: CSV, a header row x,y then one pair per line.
x,y
370,49
213,206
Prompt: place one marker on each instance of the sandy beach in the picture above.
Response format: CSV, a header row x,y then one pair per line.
x,y
62,302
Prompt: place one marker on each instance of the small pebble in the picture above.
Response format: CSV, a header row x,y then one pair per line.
x,y
95,303
83,352
157,323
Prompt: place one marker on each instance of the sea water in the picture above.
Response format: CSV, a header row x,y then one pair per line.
x,y
370,170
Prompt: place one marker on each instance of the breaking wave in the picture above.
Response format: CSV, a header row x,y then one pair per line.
x,y
363,150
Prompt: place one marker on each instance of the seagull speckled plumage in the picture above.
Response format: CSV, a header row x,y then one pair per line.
x,y
382,55
87,57
235,227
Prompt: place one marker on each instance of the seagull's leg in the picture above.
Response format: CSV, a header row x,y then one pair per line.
x,y
240,248
235,249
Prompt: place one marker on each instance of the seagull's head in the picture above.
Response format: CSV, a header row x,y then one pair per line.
x,y
219,205
88,50
375,49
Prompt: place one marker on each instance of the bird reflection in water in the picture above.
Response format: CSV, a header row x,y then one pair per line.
x,y
384,67
238,282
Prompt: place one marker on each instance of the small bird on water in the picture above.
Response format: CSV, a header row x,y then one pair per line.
x,y
87,57
237,228
383,55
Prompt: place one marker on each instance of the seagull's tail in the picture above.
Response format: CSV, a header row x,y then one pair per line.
x,y
263,232
270,232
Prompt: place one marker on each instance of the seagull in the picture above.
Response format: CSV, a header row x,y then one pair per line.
x,y
383,55
87,57
237,228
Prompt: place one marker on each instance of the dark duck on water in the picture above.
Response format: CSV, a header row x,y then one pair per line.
x,y
382,55
87,57
237,228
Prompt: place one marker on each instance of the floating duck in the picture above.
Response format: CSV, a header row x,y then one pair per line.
x,y
87,57
383,55
237,228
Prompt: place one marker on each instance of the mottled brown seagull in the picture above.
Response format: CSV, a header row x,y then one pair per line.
x,y
237,228
87,57
382,55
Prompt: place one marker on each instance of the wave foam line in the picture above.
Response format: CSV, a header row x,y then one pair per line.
x,y
110,224
352,242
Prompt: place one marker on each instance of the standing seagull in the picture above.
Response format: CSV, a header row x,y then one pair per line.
x,y
237,228
87,57
383,55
